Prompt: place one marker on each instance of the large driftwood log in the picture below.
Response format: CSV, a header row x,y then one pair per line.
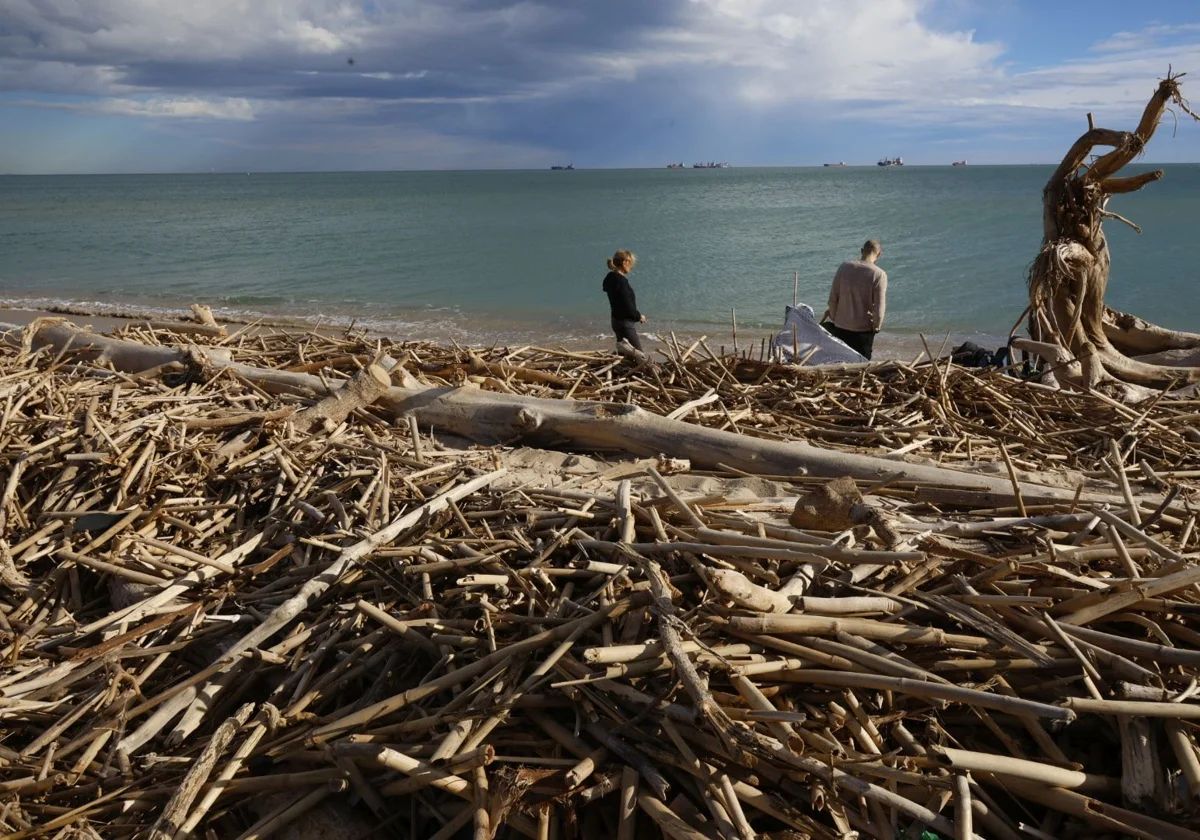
x,y
1069,277
489,417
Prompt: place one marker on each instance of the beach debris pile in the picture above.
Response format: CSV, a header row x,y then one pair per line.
x,y
225,614
955,415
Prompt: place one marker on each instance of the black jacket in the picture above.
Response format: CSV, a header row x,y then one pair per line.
x,y
621,299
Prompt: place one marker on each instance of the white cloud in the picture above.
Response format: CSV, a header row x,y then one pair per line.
x,y
1116,83
167,107
311,38
59,77
882,60
887,60
775,51
388,76
181,107
1149,36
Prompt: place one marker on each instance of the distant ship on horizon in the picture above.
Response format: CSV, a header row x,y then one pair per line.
x,y
840,163
896,161
959,163
710,165
676,165
563,168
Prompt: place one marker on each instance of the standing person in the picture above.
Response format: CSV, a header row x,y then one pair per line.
x,y
621,300
858,300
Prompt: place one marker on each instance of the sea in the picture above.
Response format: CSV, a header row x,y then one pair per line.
x,y
517,257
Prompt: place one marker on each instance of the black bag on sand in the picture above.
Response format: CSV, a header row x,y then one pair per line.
x,y
970,354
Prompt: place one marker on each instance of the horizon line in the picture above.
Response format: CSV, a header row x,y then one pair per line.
x,y
664,166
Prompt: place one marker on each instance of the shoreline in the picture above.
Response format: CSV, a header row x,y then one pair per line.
x,y
890,345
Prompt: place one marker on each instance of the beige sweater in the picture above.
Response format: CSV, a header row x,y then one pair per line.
x,y
858,298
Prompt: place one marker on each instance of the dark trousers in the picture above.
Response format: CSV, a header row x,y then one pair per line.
x,y
863,342
628,331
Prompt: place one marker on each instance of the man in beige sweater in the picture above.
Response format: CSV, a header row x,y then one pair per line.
x,y
858,300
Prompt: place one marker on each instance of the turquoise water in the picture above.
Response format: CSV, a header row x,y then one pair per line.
x,y
515,256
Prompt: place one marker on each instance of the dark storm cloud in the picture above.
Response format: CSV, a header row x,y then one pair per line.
x,y
389,50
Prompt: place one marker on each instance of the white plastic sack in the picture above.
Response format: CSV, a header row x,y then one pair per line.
x,y
802,333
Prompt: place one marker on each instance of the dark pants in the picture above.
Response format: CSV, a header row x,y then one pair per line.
x,y
628,331
863,342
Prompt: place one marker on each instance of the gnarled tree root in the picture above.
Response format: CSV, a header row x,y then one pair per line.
x,y
1069,277
1135,336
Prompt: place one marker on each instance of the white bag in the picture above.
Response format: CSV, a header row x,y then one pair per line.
x,y
802,334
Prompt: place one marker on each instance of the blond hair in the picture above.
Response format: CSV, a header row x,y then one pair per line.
x,y
622,261
871,246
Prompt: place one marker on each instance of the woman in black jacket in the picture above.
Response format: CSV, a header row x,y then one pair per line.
x,y
621,300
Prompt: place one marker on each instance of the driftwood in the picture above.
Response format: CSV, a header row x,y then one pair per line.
x,y
336,624
204,315
360,391
1087,343
491,418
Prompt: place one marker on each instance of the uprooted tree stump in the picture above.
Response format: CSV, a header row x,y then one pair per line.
x,y
1087,343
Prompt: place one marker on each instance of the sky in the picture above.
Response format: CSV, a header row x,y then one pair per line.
x,y
264,85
